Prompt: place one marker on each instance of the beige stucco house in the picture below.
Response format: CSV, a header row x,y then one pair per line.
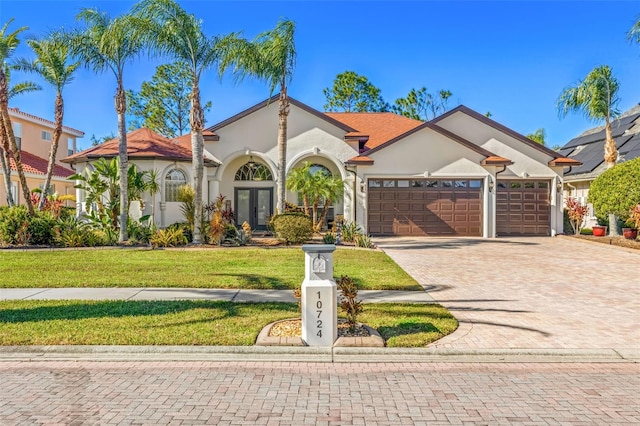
x,y
459,174
33,137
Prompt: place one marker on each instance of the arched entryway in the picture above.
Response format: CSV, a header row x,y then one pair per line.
x,y
253,194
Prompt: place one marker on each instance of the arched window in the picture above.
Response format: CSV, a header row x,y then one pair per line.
x,y
254,171
174,180
319,168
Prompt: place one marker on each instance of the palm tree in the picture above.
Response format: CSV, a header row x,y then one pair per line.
x,y
298,181
170,30
109,44
271,57
8,44
5,162
55,65
596,96
316,187
634,33
539,136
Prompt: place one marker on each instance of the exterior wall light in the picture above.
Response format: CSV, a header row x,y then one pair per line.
x,y
491,185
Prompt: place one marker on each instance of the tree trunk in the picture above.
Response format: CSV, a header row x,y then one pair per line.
x,y
6,163
196,120
57,131
610,151
8,131
121,109
283,112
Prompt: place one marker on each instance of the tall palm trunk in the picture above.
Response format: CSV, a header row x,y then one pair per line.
x,y
283,112
8,131
196,119
121,108
610,150
57,131
6,164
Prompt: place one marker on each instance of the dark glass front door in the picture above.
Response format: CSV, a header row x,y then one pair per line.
x,y
254,205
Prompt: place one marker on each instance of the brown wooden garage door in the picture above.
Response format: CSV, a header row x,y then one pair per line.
x,y
523,208
425,207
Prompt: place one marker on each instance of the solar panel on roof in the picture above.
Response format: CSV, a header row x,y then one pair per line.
x,y
618,127
590,156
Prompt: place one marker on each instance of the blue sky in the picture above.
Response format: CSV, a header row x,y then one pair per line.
x,y
511,58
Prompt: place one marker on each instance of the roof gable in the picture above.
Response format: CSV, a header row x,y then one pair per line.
x,y
380,127
272,100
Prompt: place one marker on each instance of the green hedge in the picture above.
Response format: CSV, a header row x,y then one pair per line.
x,y
292,228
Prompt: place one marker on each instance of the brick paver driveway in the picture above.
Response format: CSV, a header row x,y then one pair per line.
x,y
537,292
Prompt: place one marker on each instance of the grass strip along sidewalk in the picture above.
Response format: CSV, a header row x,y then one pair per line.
x,y
65,322
242,267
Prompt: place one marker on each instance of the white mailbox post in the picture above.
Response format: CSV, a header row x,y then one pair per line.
x,y
319,296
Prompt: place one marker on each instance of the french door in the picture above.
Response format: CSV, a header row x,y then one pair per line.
x,y
253,205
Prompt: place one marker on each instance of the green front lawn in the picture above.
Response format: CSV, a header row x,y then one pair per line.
x,y
241,267
64,322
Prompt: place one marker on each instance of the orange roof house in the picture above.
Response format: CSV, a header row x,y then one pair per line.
x,y
34,137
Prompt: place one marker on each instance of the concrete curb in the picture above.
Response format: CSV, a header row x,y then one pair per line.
x,y
312,354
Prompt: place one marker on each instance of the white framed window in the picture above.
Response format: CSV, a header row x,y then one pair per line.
x,y
17,133
46,135
174,180
14,192
52,188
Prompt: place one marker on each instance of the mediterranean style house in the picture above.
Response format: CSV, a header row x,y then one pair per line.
x,y
33,136
459,174
588,148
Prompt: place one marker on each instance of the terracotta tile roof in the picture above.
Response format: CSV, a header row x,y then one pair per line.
x,y
141,143
565,161
38,166
379,126
496,160
16,112
361,160
185,140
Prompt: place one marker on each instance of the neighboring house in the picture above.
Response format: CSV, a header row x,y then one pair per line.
x,y
588,148
34,136
459,174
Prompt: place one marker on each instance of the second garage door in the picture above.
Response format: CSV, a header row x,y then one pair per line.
x,y
409,207
523,208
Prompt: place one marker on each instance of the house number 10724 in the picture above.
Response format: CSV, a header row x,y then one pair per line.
x,y
319,311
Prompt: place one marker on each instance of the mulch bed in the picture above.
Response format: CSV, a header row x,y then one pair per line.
x,y
293,328
614,241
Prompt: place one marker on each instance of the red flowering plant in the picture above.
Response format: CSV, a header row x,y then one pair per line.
x,y
576,212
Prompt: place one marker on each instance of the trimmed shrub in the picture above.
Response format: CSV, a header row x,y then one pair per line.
x,y
11,222
16,227
41,227
292,228
616,190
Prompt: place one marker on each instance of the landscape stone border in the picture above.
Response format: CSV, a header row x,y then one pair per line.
x,y
373,340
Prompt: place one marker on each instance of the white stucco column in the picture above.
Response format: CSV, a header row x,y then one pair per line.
x,y
489,207
556,207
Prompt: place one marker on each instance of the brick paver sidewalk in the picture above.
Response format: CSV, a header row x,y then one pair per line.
x,y
179,393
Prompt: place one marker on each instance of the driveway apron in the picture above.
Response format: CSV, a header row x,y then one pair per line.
x,y
528,292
